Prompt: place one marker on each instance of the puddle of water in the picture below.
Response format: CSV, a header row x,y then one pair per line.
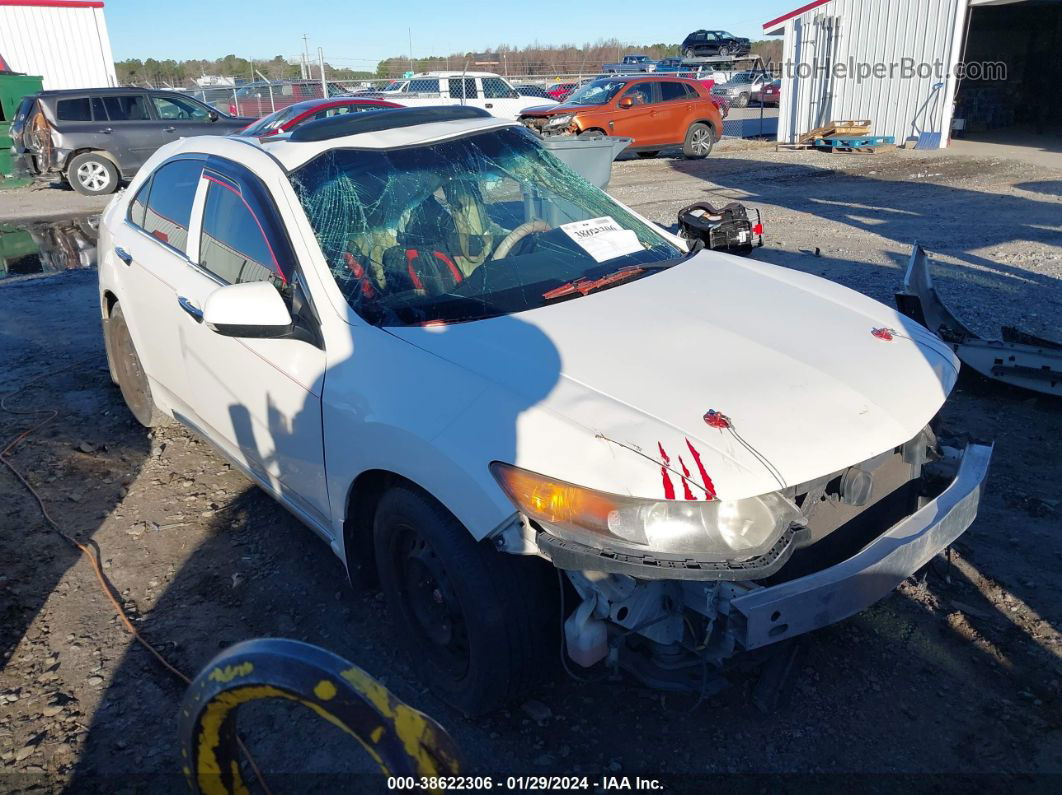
x,y
48,246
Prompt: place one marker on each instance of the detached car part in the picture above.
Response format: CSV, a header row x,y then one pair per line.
x,y
733,227
1019,359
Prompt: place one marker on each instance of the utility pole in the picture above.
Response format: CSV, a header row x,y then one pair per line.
x,y
410,31
305,57
324,83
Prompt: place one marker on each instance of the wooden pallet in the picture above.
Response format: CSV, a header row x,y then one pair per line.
x,y
846,127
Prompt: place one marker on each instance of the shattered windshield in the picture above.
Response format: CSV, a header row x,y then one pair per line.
x,y
474,227
596,93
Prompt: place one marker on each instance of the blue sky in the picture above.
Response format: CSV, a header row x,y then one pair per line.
x,y
355,35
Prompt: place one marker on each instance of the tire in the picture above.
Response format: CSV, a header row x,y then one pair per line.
x,y
132,381
480,626
91,174
742,101
724,51
591,135
690,53
647,155
699,141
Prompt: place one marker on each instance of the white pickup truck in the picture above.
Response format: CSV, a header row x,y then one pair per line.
x,y
484,90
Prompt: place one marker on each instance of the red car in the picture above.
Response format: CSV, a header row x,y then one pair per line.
x,y
770,94
560,91
287,119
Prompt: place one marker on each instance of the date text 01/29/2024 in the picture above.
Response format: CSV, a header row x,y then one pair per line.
x,y
523,783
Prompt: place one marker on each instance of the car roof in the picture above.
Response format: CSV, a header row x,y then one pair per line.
x,y
421,75
383,129
104,90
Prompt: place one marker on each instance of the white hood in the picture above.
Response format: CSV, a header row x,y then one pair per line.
x,y
790,358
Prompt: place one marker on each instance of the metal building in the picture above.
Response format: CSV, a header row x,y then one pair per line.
x,y
897,63
64,41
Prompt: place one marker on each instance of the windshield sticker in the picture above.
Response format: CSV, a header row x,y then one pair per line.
x,y
602,238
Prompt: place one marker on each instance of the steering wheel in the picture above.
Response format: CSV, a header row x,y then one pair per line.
x,y
518,234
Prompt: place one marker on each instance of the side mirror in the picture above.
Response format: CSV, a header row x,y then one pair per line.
x,y
626,102
214,115
252,309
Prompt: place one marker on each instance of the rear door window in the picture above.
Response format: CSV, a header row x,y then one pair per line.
x,y
672,90
73,109
462,88
169,207
132,107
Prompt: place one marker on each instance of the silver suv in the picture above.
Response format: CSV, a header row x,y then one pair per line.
x,y
96,137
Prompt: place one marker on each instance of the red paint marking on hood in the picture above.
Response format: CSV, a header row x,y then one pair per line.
x,y
669,487
884,334
687,493
709,487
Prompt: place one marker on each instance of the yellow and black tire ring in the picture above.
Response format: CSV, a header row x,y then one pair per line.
x,y
402,740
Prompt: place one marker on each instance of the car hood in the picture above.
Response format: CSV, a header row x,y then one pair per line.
x,y
800,366
558,110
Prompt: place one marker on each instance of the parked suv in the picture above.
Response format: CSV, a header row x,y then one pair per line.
x,y
95,137
707,43
519,405
484,90
657,112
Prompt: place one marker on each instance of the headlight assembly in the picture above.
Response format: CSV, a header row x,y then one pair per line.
x,y
716,530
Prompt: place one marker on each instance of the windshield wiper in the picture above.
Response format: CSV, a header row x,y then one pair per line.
x,y
584,286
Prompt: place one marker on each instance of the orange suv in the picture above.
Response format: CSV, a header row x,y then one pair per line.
x,y
657,112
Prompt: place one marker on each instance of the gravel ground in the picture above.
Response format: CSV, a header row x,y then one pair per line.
x,y
954,678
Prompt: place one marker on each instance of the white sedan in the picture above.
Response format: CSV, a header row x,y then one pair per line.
x,y
487,383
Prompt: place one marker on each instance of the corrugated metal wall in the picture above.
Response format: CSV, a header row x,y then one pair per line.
x,y
69,47
855,32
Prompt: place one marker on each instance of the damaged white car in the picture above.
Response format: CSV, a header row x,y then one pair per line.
x,y
535,416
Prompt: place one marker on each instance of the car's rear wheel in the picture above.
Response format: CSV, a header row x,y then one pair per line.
x,y
480,625
742,101
91,174
699,141
647,155
125,362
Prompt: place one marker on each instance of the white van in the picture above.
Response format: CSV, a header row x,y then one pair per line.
x,y
484,90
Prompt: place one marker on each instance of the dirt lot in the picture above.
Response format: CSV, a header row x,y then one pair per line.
x,y
955,676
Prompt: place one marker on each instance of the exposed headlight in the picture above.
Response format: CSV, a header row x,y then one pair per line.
x,y
716,530
560,121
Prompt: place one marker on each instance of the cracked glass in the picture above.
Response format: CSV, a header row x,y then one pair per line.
x,y
474,227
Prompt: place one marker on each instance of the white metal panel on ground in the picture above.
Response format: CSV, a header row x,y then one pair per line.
x,y
67,44
890,61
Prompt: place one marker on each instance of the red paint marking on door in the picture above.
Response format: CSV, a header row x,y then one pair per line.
x,y
669,487
709,487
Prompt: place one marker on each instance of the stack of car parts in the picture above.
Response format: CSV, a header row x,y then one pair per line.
x,y
734,227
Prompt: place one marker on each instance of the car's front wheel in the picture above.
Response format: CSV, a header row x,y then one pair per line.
x,y
742,101
128,372
724,51
699,141
92,174
689,52
480,625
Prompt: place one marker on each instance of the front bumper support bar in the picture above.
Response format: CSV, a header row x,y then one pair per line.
x,y
775,613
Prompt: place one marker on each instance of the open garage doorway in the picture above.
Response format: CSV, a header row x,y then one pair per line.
x,y
1018,109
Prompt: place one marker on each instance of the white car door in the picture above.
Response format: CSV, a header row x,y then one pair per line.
x,y
502,100
151,246
258,399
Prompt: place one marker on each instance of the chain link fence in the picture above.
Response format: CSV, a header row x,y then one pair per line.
x,y
745,116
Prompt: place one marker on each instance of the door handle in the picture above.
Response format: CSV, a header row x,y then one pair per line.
x,y
107,130
490,105
190,308
168,129
123,255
